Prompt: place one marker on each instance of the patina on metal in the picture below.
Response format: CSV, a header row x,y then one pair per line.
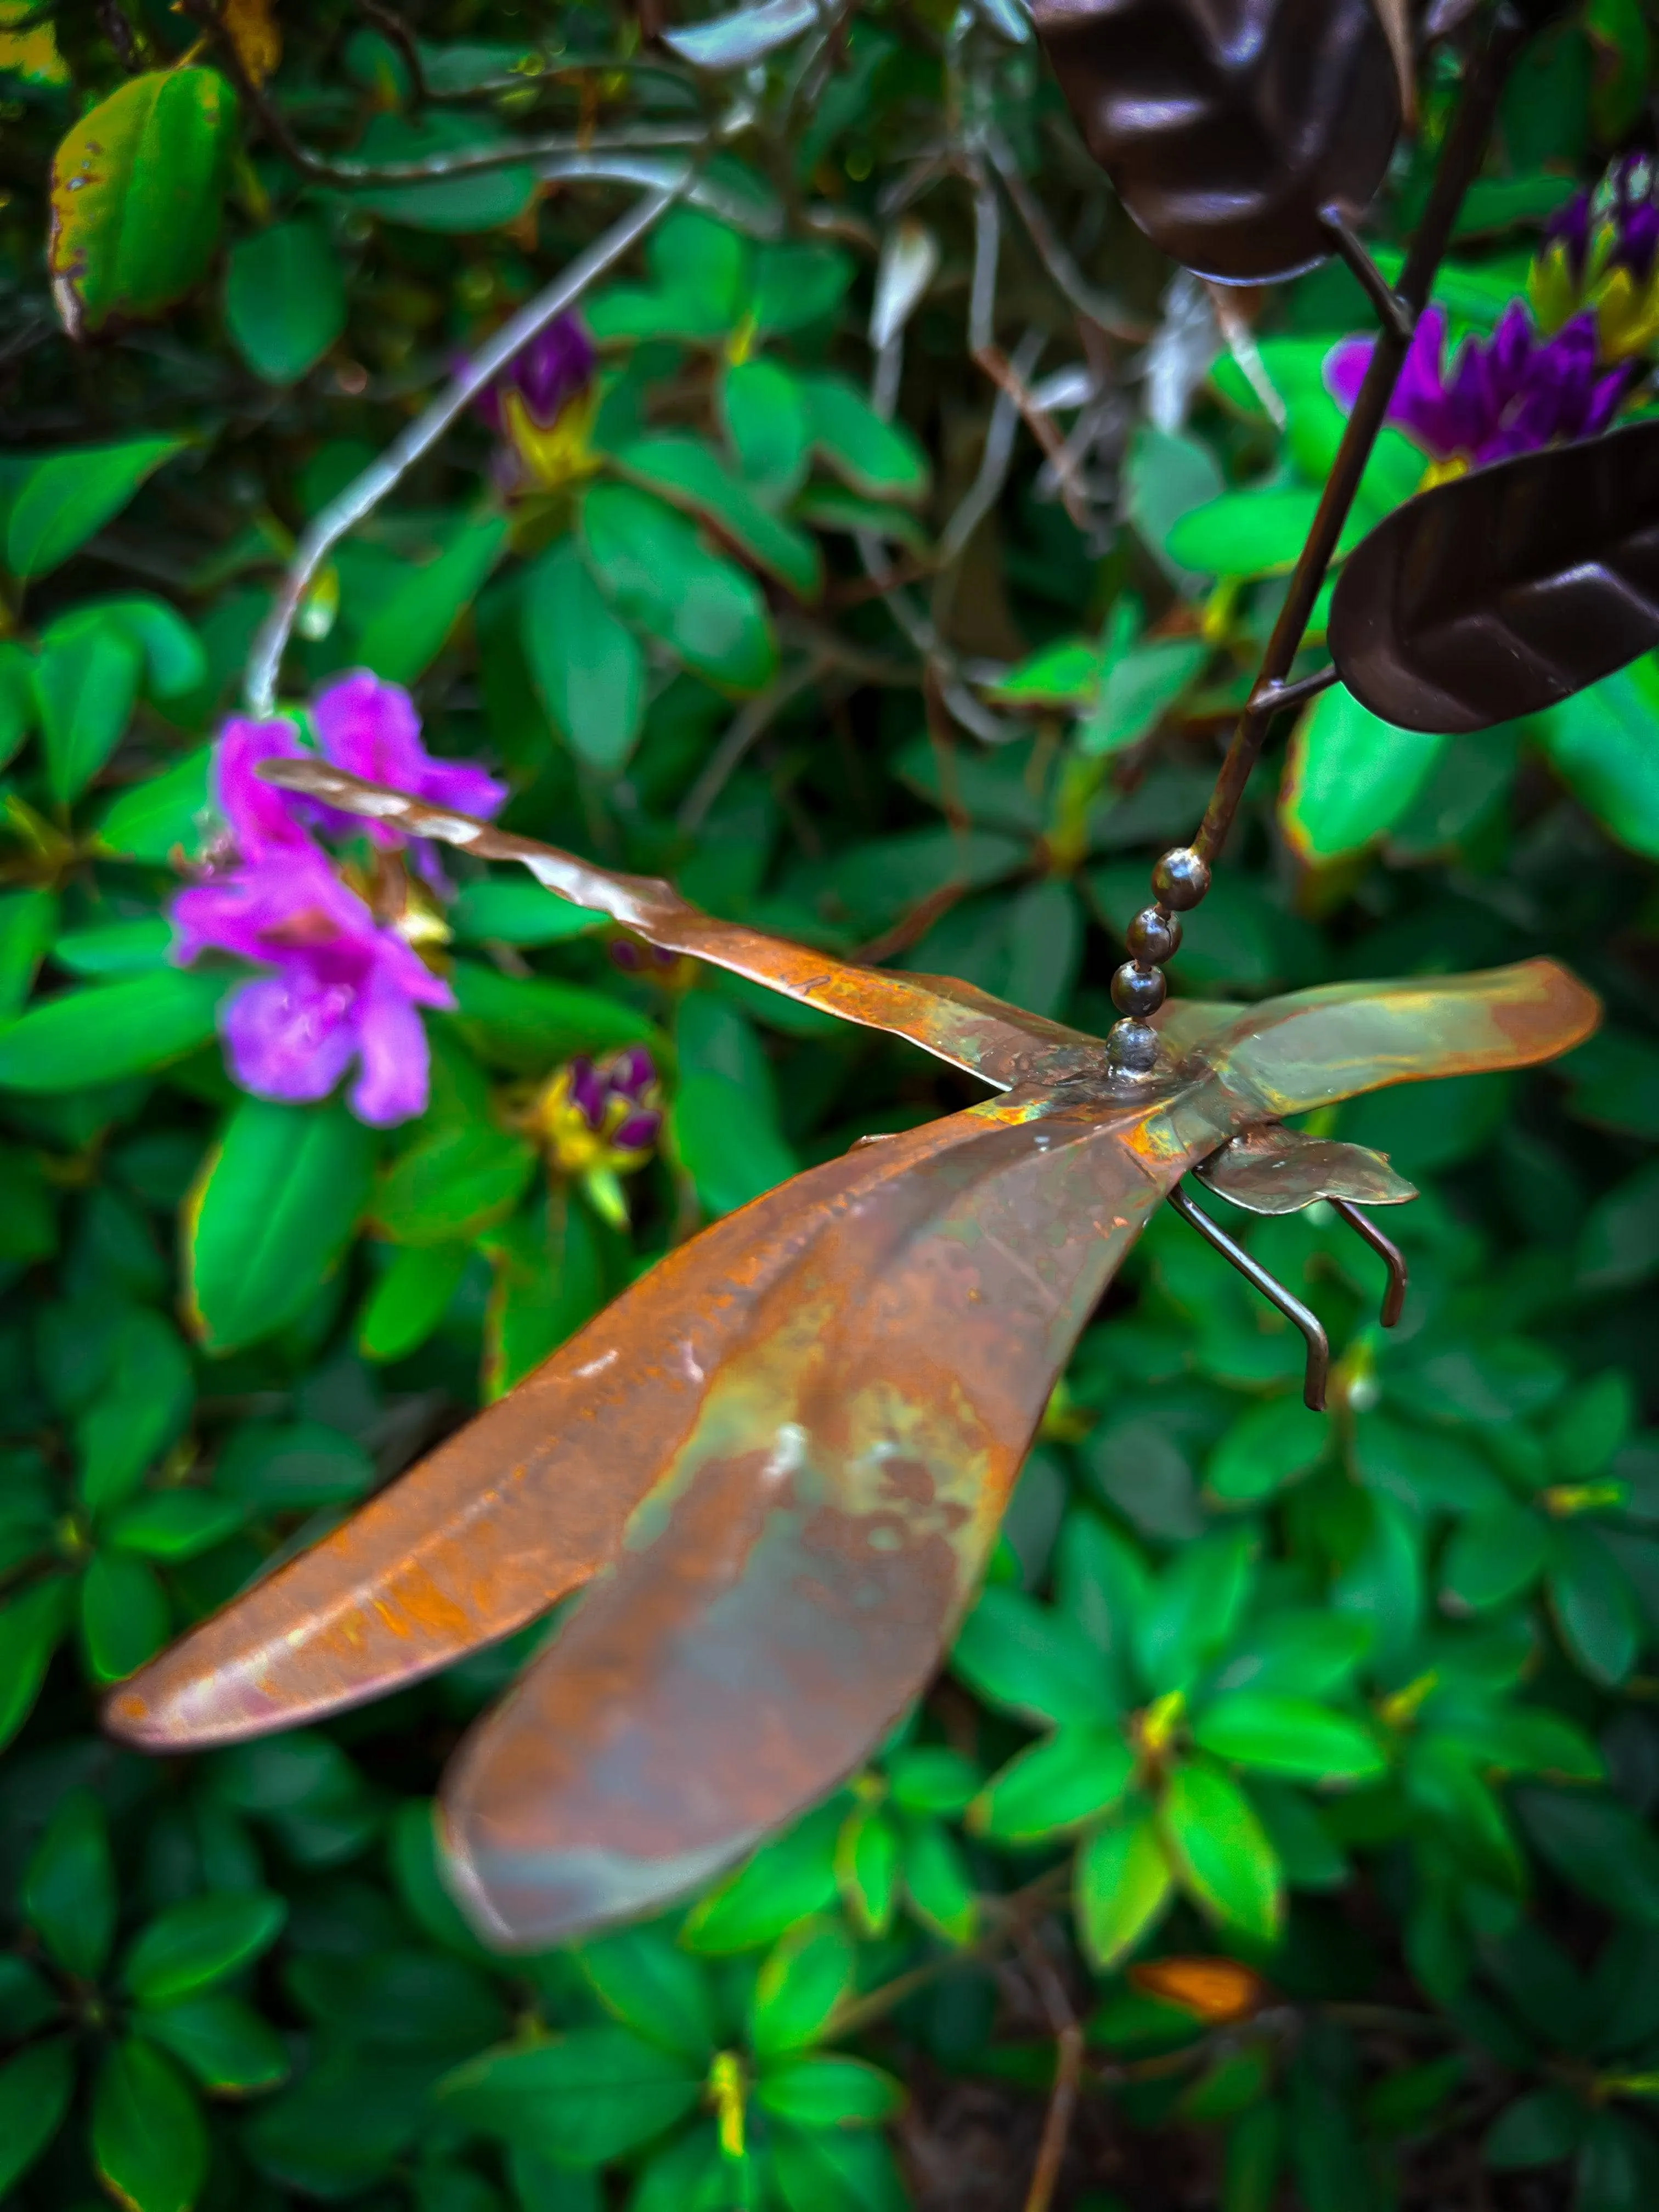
x,y
1229,126
1507,590
780,1459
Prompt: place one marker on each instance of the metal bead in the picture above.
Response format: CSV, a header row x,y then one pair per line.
x,y
1180,879
1132,1047
1153,936
1137,990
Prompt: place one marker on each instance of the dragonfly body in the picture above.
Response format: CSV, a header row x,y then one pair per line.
x,y
780,1460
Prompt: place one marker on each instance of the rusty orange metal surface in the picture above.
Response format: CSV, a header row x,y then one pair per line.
x,y
780,1458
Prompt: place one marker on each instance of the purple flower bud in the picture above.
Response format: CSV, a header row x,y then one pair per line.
x,y
556,367
587,1091
637,1132
632,1073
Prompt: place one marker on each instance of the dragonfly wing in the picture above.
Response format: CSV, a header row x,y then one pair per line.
x,y
1311,1048
788,1587
523,1505
949,1019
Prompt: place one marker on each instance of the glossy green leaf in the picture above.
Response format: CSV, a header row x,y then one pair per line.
x,y
136,194
868,1854
763,413
528,1024
514,910
1058,1784
280,1467
1601,743
478,200
938,1882
408,628
729,1142
280,1197
1593,1605
18,711
1122,1886
30,1627
86,684
110,1031
1277,1734
1495,1555
409,1299
803,1982
871,455
285,300
931,1778
149,822
452,1183
786,1880
1267,1450
28,922
1193,1611
69,1895
690,476
35,2089
828,2093
189,1947
660,576
223,2043
588,666
1227,1864
661,1992
174,1524
1032,1662
1350,777
60,499
548,1280
124,1615
149,2141
588,2097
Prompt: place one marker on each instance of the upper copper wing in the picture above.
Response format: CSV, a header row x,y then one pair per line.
x,y
789,1584
952,1019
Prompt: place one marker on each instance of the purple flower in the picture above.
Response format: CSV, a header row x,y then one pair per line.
x,y
371,729
1511,393
1617,225
344,989
262,819
554,368
603,1117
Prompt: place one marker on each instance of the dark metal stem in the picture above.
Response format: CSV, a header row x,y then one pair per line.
x,y
1394,1298
1459,166
1319,1345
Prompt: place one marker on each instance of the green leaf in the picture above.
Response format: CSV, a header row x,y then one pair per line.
x,y
688,475
280,1467
1141,686
164,812
1064,674
1494,1556
762,410
931,1778
1033,1662
1193,1610
729,1142
828,2093
285,300
1121,1886
588,667
142,1406
189,1947
58,502
68,1893
35,2089
147,2141
836,2171
1601,743
174,1524
30,1627
28,922
641,1977
1227,1863
1278,1734
110,1031
529,1023
175,661
410,1298
1267,1450
222,2042
137,189
1618,1244
512,910
800,1988
939,1884
86,684
481,200
548,1280
124,1616
453,1183
796,285
1350,777
1055,1785
868,1856
658,572
1536,2130
116,948
276,1206
17,707
1593,1605
408,628
1258,532
871,455
786,1880
588,2098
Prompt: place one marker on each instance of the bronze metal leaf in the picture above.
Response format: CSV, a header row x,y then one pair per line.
x,y
1228,126
1270,1169
1506,590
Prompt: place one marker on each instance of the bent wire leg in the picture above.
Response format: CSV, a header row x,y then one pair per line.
x,y
1319,1346
1394,1298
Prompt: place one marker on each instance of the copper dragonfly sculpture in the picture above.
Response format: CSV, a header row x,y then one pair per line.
x,y
775,1465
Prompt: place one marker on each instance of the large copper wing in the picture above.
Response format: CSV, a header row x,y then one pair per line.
x,y
784,1453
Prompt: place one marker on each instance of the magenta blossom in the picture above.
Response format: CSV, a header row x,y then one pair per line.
x,y
345,986
1511,393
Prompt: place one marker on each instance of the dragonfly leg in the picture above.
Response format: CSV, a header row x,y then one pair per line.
x,y
1319,1346
1394,1298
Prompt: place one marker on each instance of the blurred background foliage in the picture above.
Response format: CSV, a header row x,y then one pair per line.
x,y
886,571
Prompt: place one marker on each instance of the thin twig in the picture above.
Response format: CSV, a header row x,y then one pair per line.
x,y
391,25
1098,308
986,489
1068,2069
1010,1916
743,731
365,493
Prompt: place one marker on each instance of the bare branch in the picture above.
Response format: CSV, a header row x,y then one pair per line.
x,y
1099,307
365,493
742,732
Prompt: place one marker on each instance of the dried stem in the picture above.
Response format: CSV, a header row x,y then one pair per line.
x,y
364,494
391,25
1068,2070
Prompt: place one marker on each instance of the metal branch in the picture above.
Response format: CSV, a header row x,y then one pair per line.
x,y
1318,1369
365,493
1393,1297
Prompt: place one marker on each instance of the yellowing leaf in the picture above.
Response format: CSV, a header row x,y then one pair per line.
x,y
31,53
137,189
252,28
